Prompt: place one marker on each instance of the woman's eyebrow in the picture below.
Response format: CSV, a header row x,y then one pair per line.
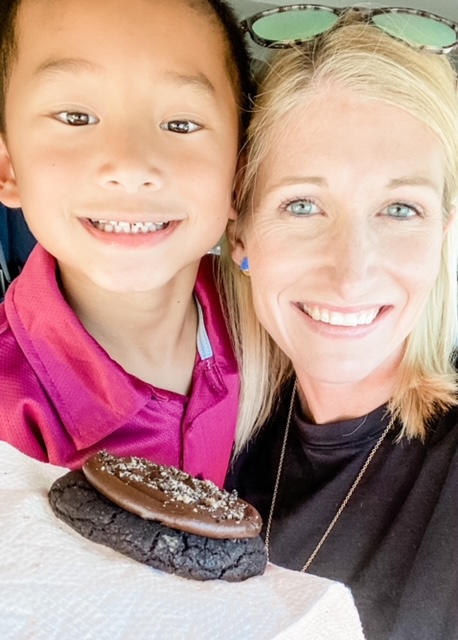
x,y
298,180
413,181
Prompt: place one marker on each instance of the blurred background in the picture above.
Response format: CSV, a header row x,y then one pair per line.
x,y
446,8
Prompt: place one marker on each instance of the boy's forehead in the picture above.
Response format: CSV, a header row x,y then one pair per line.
x,y
158,12
199,5
67,26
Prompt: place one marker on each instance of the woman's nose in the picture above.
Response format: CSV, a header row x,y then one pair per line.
x,y
353,256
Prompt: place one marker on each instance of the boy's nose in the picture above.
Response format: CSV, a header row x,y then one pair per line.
x,y
131,165
130,179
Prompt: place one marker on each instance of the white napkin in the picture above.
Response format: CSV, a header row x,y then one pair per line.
x,y
55,584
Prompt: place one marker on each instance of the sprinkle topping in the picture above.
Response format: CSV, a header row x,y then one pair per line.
x,y
172,497
177,486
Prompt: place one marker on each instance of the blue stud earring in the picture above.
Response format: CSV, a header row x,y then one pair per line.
x,y
245,267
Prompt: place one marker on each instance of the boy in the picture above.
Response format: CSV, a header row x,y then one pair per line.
x,y
120,133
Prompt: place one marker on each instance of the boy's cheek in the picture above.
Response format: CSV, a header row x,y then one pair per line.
x,y
9,193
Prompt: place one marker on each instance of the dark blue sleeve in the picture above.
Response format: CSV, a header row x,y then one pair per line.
x,y
16,243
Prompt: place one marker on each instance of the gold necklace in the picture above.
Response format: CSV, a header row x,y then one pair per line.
x,y
345,500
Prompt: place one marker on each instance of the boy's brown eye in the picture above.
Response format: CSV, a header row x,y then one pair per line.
x,y
180,126
76,118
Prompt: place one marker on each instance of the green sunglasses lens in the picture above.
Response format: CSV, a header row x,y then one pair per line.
x,y
295,24
416,29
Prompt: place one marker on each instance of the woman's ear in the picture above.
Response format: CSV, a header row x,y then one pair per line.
x,y
238,252
233,227
451,220
9,193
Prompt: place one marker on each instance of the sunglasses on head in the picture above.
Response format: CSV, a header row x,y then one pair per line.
x,y
295,23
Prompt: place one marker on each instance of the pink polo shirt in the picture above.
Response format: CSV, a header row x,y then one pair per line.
x,y
63,398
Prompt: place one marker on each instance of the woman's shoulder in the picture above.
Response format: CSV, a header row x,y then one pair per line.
x,y
442,430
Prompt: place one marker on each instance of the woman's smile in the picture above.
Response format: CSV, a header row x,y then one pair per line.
x,y
340,318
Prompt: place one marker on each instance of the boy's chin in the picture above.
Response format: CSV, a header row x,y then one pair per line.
x,y
123,283
126,286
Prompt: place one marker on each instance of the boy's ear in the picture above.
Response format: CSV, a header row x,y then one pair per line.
x,y
9,194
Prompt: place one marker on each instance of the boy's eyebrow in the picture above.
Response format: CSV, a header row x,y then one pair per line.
x,y
72,65
198,80
76,65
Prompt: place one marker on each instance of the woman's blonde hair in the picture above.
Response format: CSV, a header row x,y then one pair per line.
x,y
360,58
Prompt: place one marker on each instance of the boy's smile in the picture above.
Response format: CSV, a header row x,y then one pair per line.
x,y
116,226
122,129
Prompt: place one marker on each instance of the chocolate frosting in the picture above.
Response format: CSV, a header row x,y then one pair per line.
x,y
172,497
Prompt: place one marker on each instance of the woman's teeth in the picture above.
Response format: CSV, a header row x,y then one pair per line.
x,y
342,319
113,226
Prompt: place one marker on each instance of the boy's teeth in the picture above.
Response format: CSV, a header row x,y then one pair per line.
x,y
114,226
342,319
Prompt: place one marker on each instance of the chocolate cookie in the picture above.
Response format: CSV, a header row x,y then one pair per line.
x,y
201,557
172,497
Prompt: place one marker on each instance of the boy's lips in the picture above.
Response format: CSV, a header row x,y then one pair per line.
x,y
133,234
119,226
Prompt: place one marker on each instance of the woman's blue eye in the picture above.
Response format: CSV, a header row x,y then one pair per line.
x,y
181,126
76,118
302,208
400,210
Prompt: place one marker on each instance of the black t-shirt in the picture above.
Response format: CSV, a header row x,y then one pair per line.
x,y
395,544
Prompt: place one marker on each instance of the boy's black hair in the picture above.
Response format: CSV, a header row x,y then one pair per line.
x,y
8,13
238,59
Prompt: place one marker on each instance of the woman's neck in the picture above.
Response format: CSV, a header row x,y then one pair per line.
x,y
326,402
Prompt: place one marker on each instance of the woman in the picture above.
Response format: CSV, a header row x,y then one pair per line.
x,y
347,233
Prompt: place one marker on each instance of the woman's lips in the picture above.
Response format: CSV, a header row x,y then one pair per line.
x,y
341,318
